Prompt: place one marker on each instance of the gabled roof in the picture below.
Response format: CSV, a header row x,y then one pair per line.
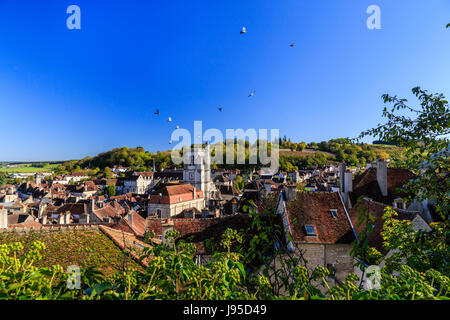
x,y
107,211
175,194
199,231
376,209
73,208
366,184
138,223
18,218
90,186
313,208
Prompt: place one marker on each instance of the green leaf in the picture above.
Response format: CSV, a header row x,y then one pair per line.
x,y
241,267
13,286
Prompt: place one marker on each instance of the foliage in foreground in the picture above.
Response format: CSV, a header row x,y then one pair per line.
x,y
174,273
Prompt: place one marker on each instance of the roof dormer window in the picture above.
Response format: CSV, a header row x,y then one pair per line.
x,y
334,213
310,230
399,204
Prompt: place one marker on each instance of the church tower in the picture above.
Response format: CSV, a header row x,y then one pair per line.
x,y
197,169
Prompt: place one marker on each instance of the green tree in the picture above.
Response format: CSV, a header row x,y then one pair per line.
x,y
3,178
239,183
107,173
111,190
422,132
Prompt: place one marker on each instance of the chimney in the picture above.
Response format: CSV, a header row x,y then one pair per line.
x,y
382,176
91,205
67,217
3,218
348,184
130,218
291,192
341,177
41,209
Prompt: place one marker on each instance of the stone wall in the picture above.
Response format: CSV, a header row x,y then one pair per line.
x,y
334,255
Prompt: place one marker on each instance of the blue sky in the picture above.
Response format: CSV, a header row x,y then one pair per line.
x,y
66,94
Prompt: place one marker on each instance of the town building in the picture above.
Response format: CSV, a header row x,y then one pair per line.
x,y
170,200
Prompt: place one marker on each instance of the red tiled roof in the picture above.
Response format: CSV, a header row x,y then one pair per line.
x,y
313,208
200,230
138,223
127,241
90,186
366,184
27,224
175,194
107,211
376,209
73,208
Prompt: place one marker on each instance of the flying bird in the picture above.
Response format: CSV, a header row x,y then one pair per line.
x,y
252,93
292,45
157,111
244,30
220,108
170,119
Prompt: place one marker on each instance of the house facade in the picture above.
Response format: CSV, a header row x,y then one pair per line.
x,y
320,229
170,200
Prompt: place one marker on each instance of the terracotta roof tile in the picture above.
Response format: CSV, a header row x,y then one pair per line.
x,y
376,209
313,208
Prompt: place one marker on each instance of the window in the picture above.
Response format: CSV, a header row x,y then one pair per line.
x,y
399,204
334,213
158,212
310,230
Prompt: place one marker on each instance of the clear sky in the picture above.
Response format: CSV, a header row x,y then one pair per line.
x,y
66,94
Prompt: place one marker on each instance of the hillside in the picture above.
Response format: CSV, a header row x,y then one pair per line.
x,y
292,155
304,153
